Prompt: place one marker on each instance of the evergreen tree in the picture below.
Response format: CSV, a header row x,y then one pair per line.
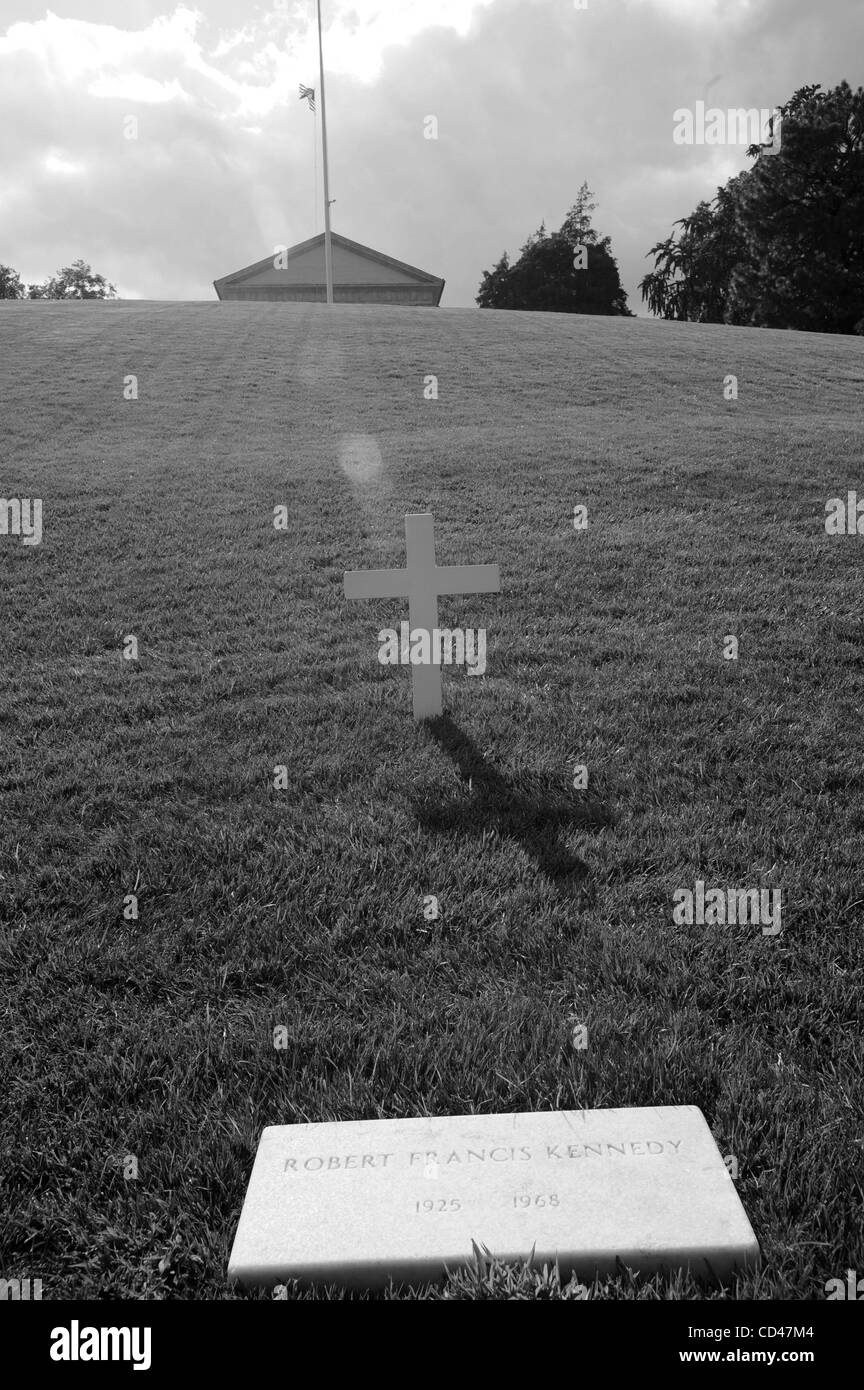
x,y
577,224
493,286
547,275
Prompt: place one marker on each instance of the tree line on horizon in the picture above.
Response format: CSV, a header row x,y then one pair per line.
x,y
75,281
780,246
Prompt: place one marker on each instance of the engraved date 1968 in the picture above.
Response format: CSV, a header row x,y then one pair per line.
x,y
542,1201
438,1204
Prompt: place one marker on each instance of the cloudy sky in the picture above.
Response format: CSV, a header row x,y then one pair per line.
x,y
532,97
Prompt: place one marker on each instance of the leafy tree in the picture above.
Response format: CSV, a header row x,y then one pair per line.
x,y
75,281
10,283
801,214
692,272
546,278
782,245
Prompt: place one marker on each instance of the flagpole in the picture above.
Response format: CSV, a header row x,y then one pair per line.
x,y
314,175
328,245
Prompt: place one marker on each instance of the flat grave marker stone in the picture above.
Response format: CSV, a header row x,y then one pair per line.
x,y
357,1202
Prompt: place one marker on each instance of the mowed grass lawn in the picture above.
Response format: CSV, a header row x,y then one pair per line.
x,y
258,908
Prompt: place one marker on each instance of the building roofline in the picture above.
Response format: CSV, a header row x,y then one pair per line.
x,y
238,276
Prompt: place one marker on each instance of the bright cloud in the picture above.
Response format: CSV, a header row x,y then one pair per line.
x,y
72,48
133,87
531,97
57,163
357,33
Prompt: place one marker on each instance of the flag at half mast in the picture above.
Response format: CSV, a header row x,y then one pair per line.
x,y
308,93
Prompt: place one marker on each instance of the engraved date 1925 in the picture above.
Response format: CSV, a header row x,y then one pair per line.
x,y
542,1201
438,1204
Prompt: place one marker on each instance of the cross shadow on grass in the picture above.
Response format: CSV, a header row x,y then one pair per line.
x,y
531,809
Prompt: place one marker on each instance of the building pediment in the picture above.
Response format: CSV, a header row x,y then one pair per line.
x,y
360,275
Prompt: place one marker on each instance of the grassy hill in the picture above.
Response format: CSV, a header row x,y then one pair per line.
x,y
152,1038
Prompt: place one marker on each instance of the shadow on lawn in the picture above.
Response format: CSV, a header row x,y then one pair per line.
x,y
531,809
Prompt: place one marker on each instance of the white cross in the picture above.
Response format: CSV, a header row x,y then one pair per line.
x,y
421,582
